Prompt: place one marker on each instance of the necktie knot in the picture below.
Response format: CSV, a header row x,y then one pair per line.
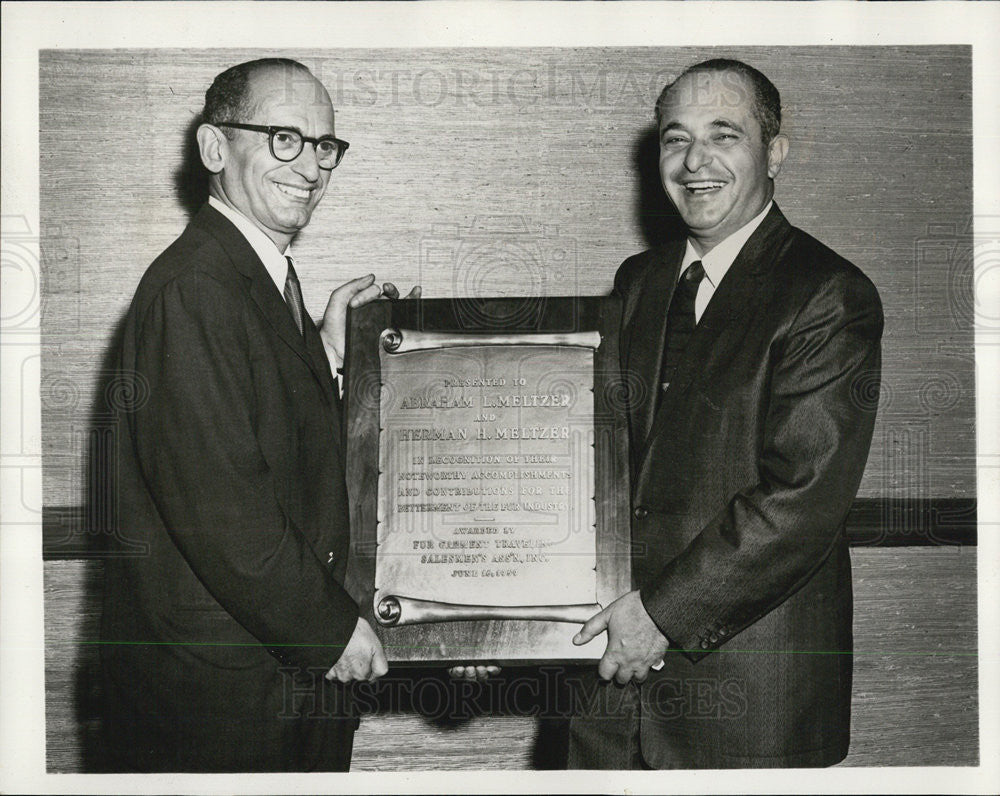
x,y
693,275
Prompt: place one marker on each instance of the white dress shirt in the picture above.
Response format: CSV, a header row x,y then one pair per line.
x,y
717,262
274,261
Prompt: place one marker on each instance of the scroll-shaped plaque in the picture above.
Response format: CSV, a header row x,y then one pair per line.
x,y
497,521
486,477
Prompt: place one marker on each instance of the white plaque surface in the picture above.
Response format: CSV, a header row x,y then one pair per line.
x,y
486,482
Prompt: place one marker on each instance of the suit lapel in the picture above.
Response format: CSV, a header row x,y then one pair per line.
x,y
264,293
725,319
643,355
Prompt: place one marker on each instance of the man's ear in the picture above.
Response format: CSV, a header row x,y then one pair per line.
x,y
776,152
213,146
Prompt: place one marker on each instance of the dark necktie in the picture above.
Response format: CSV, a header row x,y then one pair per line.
x,y
293,296
680,320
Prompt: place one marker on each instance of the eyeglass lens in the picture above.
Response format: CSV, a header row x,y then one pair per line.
x,y
287,144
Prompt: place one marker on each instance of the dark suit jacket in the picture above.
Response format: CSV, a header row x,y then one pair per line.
x,y
229,471
742,480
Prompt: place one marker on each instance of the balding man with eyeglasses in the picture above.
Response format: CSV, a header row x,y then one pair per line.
x,y
229,642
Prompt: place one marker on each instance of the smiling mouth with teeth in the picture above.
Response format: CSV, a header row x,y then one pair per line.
x,y
290,190
703,186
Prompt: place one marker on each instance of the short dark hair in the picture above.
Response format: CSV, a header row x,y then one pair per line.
x,y
766,99
229,99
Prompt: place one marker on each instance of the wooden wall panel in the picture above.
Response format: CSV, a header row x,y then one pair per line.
x,y
915,689
524,171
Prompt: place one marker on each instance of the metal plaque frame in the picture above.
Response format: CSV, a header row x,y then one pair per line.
x,y
407,601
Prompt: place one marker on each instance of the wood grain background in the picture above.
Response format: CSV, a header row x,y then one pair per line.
x,y
515,172
524,172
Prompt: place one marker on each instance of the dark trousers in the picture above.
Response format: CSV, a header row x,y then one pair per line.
x,y
604,731
298,722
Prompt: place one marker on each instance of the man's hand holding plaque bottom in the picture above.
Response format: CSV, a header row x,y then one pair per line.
x,y
479,673
635,643
363,658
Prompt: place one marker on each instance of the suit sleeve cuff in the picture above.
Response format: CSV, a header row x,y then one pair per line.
x,y
688,642
324,636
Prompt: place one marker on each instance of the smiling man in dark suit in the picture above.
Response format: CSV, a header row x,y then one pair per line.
x,y
757,347
226,646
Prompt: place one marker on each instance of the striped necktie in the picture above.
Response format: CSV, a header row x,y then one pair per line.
x,y
293,296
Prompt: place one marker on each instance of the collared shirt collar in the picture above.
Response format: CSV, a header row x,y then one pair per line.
x,y
274,261
717,262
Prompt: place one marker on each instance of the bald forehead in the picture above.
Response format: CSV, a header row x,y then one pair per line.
x,y
289,87
711,89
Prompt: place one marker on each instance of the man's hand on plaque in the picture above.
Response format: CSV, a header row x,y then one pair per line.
x,y
356,293
363,657
635,643
390,291
479,673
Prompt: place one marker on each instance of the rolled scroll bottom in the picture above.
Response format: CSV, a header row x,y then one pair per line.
x,y
394,610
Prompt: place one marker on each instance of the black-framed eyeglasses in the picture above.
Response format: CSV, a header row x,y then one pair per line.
x,y
286,143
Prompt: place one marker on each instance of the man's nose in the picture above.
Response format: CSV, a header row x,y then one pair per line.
x,y
306,164
697,155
